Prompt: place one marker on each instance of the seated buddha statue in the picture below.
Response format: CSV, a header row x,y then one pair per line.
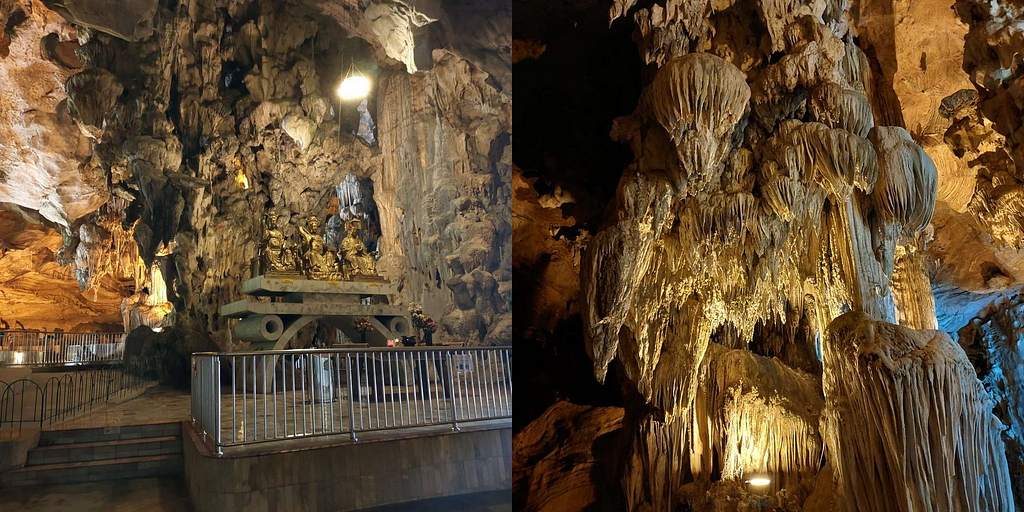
x,y
357,260
277,256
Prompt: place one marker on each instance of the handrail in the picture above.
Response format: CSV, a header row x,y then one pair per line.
x,y
343,350
52,348
245,398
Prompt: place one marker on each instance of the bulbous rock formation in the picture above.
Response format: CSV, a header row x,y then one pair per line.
x,y
697,99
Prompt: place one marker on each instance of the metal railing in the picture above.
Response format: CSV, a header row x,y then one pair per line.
x,y
241,398
45,348
24,403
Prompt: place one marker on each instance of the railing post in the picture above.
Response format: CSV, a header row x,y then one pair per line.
x,y
351,401
451,391
216,395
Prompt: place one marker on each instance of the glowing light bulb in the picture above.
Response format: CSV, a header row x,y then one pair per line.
x,y
158,329
354,87
759,482
19,357
242,180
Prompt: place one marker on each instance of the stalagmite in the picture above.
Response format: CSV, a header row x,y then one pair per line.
x,y
907,423
911,289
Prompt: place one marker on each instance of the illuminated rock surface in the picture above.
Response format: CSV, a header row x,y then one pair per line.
x,y
782,164
154,137
909,425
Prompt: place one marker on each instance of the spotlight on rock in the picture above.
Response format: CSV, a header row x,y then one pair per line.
x,y
355,87
759,481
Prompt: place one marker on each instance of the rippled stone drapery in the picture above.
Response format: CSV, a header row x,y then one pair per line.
x,y
908,425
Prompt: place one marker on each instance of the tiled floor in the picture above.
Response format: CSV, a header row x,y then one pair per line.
x,y
144,494
158,404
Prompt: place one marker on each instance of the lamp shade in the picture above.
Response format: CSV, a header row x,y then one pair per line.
x,y
354,87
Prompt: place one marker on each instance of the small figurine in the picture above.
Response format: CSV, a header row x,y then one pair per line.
x,y
310,230
356,260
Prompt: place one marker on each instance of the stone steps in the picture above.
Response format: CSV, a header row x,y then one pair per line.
x,y
95,454
104,450
91,435
94,471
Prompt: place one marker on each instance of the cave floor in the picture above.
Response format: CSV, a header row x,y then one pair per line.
x,y
143,494
158,404
161,404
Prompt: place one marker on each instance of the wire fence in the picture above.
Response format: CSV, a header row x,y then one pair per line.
x,y
257,397
25,403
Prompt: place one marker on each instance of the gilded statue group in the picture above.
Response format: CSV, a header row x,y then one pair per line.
x,y
312,257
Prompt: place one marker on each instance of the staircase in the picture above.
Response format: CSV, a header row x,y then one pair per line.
x,y
104,453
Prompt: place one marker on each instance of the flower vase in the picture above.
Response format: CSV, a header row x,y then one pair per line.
x,y
362,337
428,338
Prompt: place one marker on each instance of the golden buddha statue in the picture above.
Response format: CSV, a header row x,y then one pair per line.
x,y
318,261
356,260
277,256
310,231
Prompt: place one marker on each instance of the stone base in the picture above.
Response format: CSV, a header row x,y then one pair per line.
x,y
14,448
426,463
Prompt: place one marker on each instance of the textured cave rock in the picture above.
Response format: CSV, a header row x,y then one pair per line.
x,y
442,193
41,293
908,424
992,342
557,462
187,122
792,161
991,44
131,20
44,158
752,416
756,198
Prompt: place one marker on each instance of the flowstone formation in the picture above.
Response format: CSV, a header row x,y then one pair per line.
x,y
908,423
764,201
186,124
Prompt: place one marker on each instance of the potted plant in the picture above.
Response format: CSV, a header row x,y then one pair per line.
x,y
418,318
429,328
364,326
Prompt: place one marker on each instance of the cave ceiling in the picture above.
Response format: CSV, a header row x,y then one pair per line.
x,y
152,136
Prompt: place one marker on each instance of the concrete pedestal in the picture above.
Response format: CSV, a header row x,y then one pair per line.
x,y
278,307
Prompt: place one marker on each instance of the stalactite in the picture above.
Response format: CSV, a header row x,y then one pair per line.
x,y
911,289
754,416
